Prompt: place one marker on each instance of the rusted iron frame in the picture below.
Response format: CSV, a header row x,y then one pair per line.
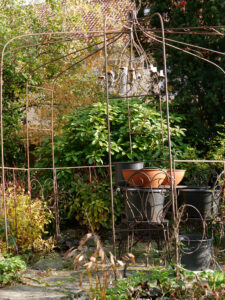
x,y
27,142
28,168
168,133
191,46
190,30
1,108
155,37
187,33
1,105
109,137
74,167
57,41
168,130
55,187
190,33
64,56
52,131
160,100
195,46
186,51
167,30
127,98
83,59
195,27
37,45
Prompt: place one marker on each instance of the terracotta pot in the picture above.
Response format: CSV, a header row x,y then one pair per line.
x,y
179,175
145,177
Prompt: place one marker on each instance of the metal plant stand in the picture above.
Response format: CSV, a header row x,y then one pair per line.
x,y
145,211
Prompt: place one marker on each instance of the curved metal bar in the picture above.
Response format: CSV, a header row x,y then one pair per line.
x,y
168,125
180,213
140,197
219,190
71,53
185,51
109,138
52,127
168,115
81,60
27,141
27,130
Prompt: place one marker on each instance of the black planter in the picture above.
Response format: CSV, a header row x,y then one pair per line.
x,y
201,198
200,252
119,166
144,204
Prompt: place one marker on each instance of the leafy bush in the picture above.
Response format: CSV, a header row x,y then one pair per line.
x,y
27,219
218,146
11,269
162,281
86,199
92,204
84,139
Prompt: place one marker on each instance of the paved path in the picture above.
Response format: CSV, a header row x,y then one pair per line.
x,y
47,285
49,278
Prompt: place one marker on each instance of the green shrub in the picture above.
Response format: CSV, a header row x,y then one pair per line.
x,y
11,269
84,140
92,204
218,145
187,285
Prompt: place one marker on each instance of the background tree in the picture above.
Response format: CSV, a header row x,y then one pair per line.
x,y
199,86
42,63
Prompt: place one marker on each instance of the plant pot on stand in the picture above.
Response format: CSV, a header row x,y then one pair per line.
x,y
143,204
146,178
119,166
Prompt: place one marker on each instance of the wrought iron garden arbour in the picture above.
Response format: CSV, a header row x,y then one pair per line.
x,y
109,38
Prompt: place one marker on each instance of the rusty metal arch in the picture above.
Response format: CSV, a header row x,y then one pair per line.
x,y
103,34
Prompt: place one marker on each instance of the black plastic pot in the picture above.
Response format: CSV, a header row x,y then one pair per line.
x,y
144,204
200,252
201,198
119,166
